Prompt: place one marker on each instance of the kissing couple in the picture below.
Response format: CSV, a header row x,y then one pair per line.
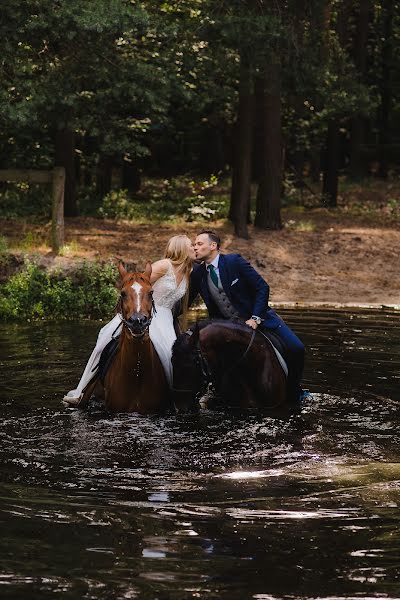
x,y
231,289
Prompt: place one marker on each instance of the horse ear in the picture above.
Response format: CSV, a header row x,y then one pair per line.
x,y
148,269
122,272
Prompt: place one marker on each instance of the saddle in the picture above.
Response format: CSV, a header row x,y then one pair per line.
x,y
270,337
106,358
277,346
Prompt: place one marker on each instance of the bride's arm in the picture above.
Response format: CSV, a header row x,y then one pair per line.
x,y
158,269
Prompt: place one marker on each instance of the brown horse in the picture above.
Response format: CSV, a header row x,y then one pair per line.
x,y
135,380
240,363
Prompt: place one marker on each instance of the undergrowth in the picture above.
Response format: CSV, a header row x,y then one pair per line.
x,y
34,293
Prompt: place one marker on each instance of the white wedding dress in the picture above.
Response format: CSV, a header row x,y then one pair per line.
x,y
166,292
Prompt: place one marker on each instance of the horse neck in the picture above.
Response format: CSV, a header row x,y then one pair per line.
x,y
131,349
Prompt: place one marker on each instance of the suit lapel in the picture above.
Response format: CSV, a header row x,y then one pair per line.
x,y
224,275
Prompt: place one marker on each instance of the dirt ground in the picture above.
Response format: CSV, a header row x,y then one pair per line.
x,y
326,259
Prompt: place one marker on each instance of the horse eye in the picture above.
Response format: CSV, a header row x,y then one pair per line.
x,y
123,294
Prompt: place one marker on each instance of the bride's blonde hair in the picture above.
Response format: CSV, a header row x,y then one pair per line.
x,y
177,252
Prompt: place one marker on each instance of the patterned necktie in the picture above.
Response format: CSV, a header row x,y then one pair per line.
x,y
213,275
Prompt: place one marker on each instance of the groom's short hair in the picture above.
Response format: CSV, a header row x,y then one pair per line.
x,y
212,236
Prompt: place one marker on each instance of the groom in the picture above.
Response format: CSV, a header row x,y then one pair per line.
x,y
231,288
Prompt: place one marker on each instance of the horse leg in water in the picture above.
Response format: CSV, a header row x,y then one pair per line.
x,y
94,388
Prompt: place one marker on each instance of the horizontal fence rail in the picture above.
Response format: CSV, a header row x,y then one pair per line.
x,y
57,178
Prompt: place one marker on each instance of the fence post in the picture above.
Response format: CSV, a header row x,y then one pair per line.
x,y
57,224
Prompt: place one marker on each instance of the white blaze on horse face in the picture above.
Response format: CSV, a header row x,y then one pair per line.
x,y
137,288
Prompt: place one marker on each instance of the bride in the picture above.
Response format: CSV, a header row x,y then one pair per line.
x,y
170,280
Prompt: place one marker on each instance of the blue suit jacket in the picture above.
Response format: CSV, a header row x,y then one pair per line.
x,y
245,288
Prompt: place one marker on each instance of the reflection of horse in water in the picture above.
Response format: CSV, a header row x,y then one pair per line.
x,y
240,363
134,379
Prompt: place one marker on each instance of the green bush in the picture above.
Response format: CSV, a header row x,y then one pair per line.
x,y
3,244
116,205
25,200
167,200
34,293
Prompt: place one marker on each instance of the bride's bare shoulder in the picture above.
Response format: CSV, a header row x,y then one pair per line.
x,y
159,268
161,265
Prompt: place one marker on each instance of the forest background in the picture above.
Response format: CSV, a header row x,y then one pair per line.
x,y
276,123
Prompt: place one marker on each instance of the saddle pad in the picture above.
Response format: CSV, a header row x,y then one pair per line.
x,y
107,357
279,356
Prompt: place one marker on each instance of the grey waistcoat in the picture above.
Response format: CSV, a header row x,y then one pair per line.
x,y
221,299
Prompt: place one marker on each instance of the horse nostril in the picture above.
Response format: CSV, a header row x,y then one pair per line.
x,y
138,319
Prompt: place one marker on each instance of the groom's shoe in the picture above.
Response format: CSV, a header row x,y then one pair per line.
x,y
304,395
297,395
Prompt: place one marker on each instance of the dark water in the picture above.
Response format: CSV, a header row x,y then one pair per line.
x,y
209,506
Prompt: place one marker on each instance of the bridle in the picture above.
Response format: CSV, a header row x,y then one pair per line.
x,y
125,322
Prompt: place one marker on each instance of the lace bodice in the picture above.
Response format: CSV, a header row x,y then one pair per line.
x,y
166,292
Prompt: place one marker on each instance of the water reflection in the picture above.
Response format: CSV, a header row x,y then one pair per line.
x,y
212,505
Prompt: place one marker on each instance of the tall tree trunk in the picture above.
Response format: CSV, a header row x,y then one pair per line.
x,y
103,175
241,177
357,165
258,136
331,170
268,208
65,157
320,19
130,177
330,184
297,157
386,88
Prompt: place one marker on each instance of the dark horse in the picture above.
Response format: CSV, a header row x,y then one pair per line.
x,y
239,362
135,380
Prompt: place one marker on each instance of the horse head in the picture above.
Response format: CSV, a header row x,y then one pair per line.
x,y
189,370
136,299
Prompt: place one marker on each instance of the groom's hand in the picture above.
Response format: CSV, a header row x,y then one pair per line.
x,y
252,323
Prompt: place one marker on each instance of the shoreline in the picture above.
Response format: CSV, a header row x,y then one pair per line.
x,y
329,261
324,305
336,305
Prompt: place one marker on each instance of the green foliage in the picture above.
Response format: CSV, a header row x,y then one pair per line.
x,y
116,205
31,240
393,206
156,84
300,225
3,244
25,200
35,293
68,249
167,200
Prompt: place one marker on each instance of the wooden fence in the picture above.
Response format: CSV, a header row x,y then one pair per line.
x,y
57,178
